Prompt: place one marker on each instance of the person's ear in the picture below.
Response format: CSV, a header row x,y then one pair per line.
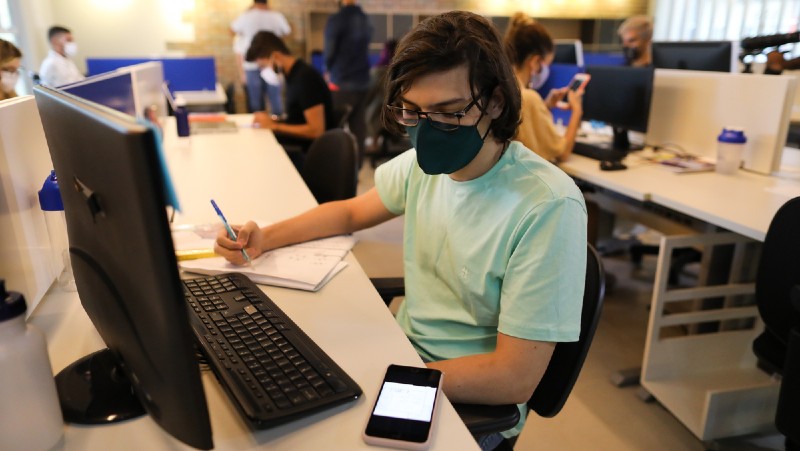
x,y
534,63
496,103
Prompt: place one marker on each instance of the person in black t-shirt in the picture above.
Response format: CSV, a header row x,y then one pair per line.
x,y
308,108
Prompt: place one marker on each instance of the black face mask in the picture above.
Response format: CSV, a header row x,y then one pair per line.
x,y
631,54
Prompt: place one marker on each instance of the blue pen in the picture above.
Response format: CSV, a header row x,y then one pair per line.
x,y
231,233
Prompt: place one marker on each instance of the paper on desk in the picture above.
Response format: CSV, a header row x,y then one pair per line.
x,y
306,266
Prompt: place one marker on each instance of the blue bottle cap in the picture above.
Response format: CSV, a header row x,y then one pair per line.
x,y
11,304
732,135
49,195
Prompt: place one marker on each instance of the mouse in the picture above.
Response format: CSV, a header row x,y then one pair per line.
x,y
612,165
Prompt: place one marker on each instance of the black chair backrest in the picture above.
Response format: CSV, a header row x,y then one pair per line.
x,y
341,115
779,271
567,360
330,167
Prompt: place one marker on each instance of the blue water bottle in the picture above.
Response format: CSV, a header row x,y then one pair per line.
x,y
53,208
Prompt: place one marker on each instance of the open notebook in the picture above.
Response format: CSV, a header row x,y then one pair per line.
x,y
305,266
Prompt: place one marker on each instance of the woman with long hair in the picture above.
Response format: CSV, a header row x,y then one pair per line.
x,y
530,49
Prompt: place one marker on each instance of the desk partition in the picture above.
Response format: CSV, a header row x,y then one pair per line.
x,y
182,74
690,108
26,261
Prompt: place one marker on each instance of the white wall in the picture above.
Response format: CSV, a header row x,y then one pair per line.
x,y
32,18
138,28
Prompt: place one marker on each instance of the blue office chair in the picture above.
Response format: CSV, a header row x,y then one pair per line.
x,y
778,299
561,373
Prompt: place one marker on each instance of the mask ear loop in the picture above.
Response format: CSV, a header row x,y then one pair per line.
x,y
483,112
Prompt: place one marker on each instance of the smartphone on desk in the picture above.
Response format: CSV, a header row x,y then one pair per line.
x,y
578,82
404,412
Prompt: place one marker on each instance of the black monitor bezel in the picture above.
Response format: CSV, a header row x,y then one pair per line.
x,y
600,112
710,56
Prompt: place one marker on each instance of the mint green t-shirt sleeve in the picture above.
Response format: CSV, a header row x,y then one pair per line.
x,y
392,181
542,292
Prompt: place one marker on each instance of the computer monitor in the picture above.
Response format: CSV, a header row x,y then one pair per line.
x,y
568,51
716,56
619,96
113,190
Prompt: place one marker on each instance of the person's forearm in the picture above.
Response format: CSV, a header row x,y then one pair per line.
x,y
482,379
306,131
328,219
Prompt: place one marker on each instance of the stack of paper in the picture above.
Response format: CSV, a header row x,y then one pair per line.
x,y
305,266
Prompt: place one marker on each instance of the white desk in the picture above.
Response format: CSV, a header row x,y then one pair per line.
x,y
249,175
744,203
708,381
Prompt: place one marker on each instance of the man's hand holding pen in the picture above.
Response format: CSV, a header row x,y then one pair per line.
x,y
248,239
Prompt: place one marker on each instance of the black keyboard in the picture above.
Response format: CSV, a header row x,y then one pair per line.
x,y
272,371
598,152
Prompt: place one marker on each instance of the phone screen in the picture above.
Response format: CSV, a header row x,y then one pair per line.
x,y
575,84
405,405
405,401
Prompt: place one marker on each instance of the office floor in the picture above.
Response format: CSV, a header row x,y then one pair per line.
x,y
598,415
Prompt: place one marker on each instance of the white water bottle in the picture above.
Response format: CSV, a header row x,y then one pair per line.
x,y
30,416
730,150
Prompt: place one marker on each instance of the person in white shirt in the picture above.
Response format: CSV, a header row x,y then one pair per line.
x,y
57,69
259,17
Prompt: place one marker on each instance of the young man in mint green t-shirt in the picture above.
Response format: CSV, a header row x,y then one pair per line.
x,y
495,236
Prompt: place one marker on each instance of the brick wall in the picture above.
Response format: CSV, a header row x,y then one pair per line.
x,y
212,18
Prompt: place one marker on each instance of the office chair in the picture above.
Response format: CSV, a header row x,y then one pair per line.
x,y
341,115
390,146
778,299
561,373
330,167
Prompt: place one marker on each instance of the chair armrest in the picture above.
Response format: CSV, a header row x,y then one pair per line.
x,y
486,419
389,287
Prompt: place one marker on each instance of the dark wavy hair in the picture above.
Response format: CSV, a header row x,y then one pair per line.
x,y
263,44
447,41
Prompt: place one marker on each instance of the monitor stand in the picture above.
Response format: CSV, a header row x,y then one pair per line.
x,y
621,141
95,390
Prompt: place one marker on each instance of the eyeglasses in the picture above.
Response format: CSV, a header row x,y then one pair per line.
x,y
447,122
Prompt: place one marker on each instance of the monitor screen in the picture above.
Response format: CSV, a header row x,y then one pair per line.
x,y
125,269
568,51
717,56
619,96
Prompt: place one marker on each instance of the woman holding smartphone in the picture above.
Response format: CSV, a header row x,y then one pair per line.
x,y
530,49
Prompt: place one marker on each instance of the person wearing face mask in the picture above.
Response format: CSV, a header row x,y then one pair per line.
x,y
494,235
636,35
10,58
57,69
530,49
309,107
